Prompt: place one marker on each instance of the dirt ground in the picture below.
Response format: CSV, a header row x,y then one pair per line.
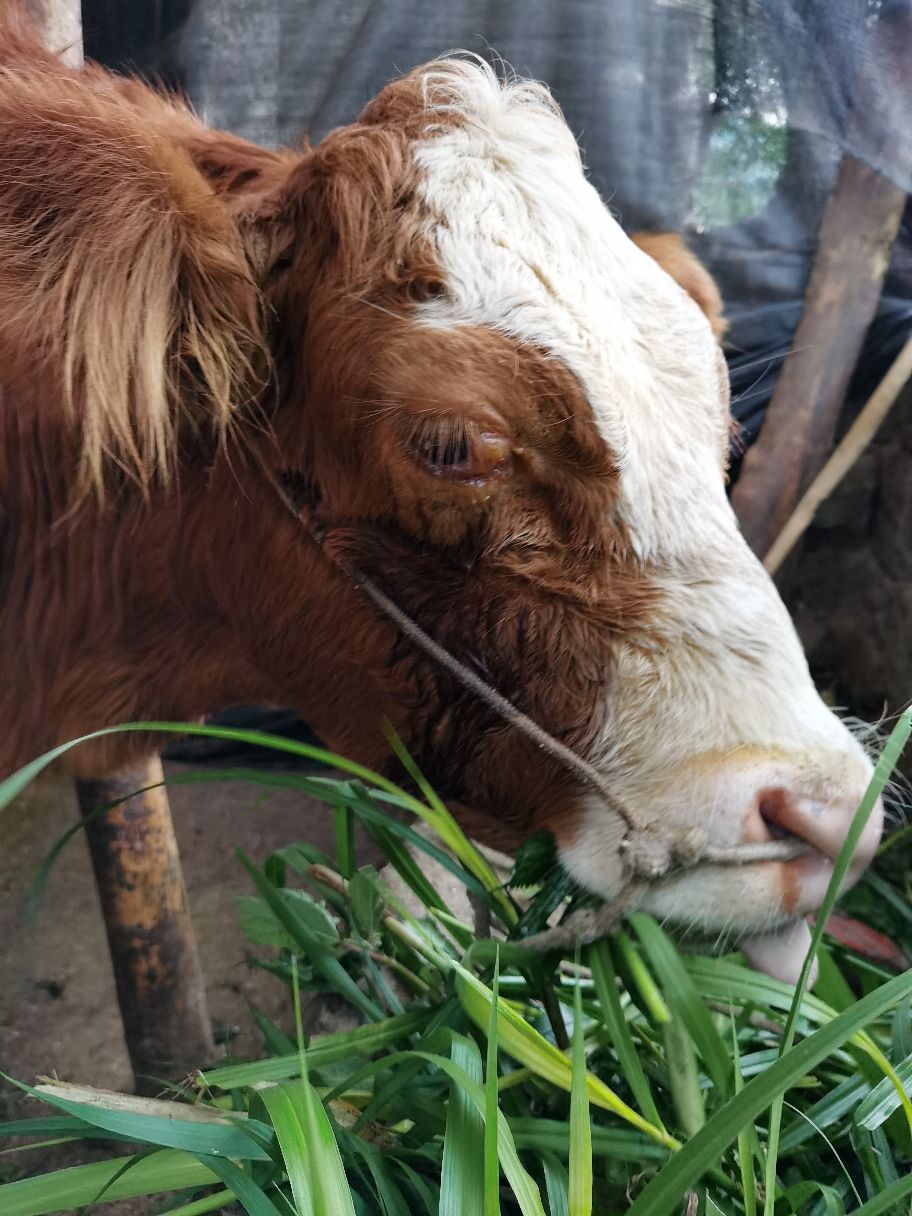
x,y
58,1011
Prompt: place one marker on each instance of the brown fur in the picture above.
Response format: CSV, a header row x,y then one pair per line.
x,y
180,310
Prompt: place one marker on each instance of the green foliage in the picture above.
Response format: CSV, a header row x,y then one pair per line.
x,y
464,1090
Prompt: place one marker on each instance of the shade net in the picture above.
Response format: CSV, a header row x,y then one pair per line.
x,y
724,120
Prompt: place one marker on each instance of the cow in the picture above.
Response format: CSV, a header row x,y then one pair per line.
x,y
430,336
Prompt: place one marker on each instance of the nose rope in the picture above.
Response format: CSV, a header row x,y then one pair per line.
x,y
649,854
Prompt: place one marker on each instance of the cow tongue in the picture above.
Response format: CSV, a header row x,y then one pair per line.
x,y
781,954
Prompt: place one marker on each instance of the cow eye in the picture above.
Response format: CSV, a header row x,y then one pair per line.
x,y
456,449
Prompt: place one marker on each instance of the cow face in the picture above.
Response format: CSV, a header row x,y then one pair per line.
x,y
518,424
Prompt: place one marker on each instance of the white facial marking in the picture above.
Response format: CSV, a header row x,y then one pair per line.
x,y
529,249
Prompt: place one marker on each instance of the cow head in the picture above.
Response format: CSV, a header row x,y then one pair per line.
x,y
518,424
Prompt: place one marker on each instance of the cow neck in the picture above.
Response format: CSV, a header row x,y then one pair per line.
x,y
649,853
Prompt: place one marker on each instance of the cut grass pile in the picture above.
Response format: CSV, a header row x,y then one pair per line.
x,y
486,1079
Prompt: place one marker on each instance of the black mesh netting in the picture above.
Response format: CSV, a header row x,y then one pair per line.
x,y
722,118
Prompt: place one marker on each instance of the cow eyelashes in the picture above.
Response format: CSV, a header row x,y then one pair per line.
x,y
457,449
448,452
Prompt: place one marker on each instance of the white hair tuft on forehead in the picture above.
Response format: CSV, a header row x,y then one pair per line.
x,y
496,103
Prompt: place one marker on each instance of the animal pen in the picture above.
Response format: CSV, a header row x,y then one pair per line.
x,y
775,136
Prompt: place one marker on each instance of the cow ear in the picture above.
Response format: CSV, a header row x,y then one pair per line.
x,y
669,250
253,185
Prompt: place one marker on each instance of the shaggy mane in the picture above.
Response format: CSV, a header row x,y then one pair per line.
x,y
123,281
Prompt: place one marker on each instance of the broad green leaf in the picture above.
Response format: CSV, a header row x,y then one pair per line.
x,y
305,922
259,923
366,901
799,1194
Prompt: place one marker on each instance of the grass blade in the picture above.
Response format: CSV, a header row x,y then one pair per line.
x,y
363,1041
491,1167
556,1185
669,1187
462,1180
683,1076
886,763
69,1189
887,1198
681,995
524,1187
580,1197
525,1044
331,1192
883,1099
603,975
242,1186
745,1136
195,1129
293,1144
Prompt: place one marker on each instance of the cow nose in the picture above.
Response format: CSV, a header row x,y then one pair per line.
x,y
823,824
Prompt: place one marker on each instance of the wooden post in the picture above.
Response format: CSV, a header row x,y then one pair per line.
x,y
857,232
157,973
159,981
853,249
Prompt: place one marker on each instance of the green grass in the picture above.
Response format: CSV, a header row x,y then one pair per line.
x,y
483,1079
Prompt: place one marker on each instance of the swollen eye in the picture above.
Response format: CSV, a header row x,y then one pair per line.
x,y
454,449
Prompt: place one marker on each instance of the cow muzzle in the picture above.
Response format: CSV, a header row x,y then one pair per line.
x,y
821,824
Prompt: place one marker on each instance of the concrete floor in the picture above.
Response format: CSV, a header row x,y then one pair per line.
x,y
58,1012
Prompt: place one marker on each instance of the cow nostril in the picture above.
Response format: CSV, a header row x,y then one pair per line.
x,y
767,815
820,824
773,811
